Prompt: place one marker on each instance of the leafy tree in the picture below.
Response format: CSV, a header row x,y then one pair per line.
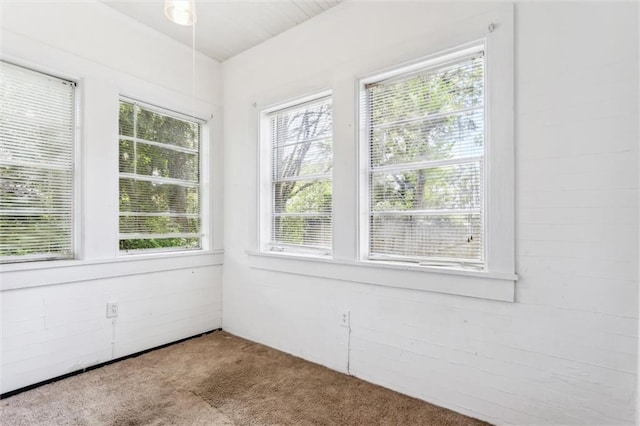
x,y
427,117
167,208
299,153
35,215
303,150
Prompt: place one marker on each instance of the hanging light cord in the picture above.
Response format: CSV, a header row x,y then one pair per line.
x,y
193,69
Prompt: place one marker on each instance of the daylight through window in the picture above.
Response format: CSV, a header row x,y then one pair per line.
x,y
301,177
36,165
159,179
426,140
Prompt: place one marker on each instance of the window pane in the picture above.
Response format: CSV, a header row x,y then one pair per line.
x,y
127,157
426,139
302,159
444,237
159,224
150,160
159,243
27,189
156,127
125,123
312,196
36,165
301,190
456,187
451,88
34,234
159,180
299,124
305,231
431,139
150,197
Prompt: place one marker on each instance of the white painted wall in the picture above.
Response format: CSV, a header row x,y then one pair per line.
x,y
566,351
53,313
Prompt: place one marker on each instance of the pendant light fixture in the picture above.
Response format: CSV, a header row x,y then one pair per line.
x,y
182,12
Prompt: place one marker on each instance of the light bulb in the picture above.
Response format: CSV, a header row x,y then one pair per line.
x,y
182,12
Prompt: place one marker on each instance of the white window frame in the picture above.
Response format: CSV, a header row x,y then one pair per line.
x,y
76,171
498,210
265,179
497,280
433,61
203,198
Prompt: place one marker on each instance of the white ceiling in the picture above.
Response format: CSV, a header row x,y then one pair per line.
x,y
226,28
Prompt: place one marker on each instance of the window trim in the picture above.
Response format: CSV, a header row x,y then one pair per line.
x,y
76,170
418,66
265,179
499,196
477,284
63,271
203,152
497,281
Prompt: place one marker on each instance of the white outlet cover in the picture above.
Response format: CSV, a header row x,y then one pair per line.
x,y
112,309
345,318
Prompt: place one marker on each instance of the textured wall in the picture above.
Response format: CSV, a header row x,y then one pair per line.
x,y
566,351
54,313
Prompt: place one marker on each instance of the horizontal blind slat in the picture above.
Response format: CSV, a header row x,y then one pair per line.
x,y
426,154
36,165
301,189
159,180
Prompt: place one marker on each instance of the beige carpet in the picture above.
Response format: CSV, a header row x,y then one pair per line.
x,y
218,379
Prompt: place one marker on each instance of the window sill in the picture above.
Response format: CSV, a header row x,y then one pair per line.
x,y
35,274
478,284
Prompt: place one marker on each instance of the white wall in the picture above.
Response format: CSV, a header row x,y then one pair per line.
x,y
566,351
53,317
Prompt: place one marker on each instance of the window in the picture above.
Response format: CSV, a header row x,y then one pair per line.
x,y
159,179
297,143
424,192
36,165
425,134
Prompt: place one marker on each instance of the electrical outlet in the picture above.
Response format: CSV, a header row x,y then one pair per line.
x,y
345,319
112,309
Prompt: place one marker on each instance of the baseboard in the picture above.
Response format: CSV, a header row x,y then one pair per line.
x,y
102,364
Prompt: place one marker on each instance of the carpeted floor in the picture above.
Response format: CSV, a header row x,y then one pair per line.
x,y
218,379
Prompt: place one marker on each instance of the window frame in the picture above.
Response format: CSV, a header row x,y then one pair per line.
x,y
497,281
203,196
366,170
498,200
265,178
76,170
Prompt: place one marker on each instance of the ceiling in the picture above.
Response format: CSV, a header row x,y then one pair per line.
x,y
226,28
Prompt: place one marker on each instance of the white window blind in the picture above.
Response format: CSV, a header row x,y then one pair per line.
x,y
426,136
36,165
159,179
301,177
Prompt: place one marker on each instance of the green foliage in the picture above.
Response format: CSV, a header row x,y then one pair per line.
x,y
153,243
427,117
424,118
311,231
36,147
413,121
309,197
158,206
303,150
